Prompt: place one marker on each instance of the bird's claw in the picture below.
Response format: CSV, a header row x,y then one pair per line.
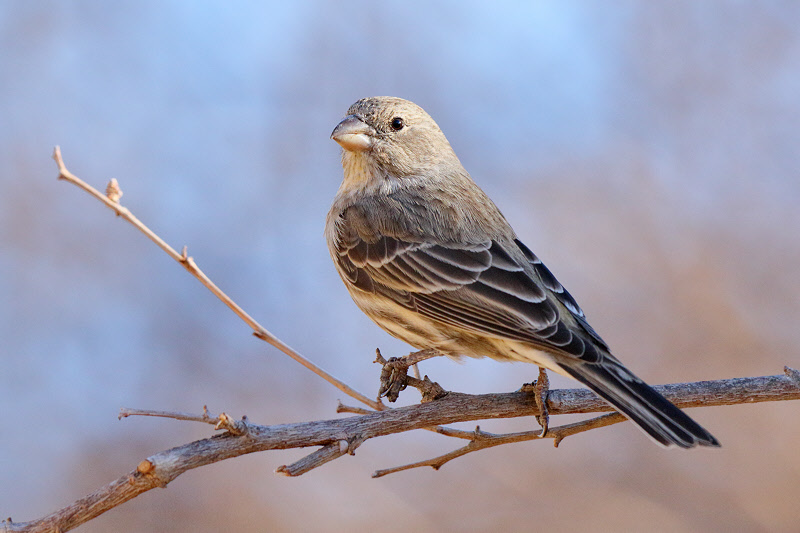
x,y
394,377
541,389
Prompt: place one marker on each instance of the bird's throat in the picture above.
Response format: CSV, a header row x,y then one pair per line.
x,y
360,171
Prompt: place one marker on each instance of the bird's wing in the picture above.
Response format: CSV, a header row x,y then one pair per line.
x,y
480,288
561,293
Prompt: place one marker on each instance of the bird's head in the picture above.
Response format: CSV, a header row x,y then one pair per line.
x,y
395,135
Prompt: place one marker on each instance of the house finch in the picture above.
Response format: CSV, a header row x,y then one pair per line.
x,y
429,257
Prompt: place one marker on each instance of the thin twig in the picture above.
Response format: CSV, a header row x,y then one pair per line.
x,y
324,455
205,417
112,202
342,408
481,440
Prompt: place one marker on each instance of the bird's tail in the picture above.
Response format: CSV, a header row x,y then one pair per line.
x,y
648,409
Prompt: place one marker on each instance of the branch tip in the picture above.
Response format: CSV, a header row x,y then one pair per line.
x,y
57,157
342,408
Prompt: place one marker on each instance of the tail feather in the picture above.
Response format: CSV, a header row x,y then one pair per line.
x,y
648,409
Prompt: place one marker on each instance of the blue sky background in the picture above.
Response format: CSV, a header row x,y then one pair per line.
x,y
648,152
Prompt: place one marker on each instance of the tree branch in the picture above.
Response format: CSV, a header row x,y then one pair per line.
x,y
342,436
111,200
480,440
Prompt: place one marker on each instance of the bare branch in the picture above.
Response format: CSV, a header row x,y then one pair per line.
x,y
111,200
205,417
159,469
324,455
342,408
480,440
715,391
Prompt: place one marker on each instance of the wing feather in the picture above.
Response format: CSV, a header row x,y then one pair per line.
x,y
552,284
483,288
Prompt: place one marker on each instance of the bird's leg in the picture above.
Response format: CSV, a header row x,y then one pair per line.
x,y
541,389
395,378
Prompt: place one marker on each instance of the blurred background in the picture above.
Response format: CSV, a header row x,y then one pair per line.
x,y
648,152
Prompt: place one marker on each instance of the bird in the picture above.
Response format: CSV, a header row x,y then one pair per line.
x,y
430,258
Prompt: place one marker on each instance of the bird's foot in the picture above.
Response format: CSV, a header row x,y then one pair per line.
x,y
540,388
395,378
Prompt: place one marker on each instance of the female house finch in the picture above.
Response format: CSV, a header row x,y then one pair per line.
x,y
429,257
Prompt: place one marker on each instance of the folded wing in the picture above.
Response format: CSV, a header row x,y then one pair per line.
x,y
482,288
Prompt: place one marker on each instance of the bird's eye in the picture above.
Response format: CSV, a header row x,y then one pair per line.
x,y
397,124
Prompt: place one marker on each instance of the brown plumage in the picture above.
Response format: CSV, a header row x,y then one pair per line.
x,y
429,257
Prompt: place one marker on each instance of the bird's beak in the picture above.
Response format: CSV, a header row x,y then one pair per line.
x,y
353,134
